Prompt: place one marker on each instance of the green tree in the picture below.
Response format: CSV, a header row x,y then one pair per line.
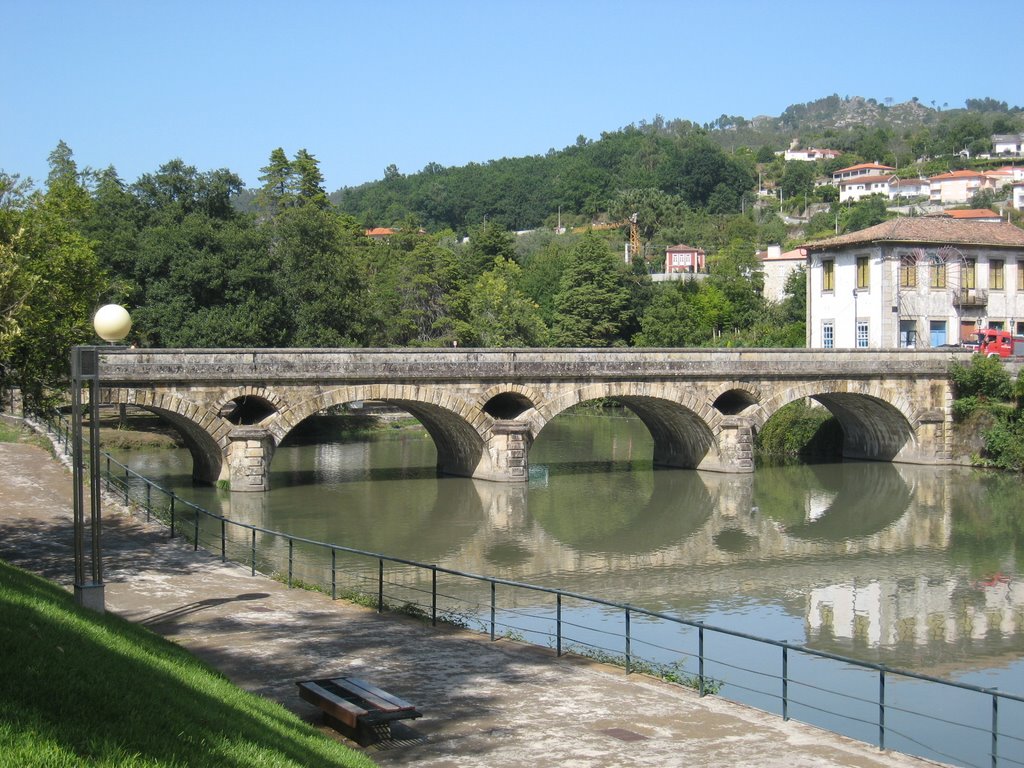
x,y
499,313
683,313
66,285
592,306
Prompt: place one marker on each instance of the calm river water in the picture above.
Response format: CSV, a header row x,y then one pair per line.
x,y
918,568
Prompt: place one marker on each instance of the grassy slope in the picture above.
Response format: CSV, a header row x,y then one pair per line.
x,y
79,688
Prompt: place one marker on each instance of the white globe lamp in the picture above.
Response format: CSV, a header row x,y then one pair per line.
x,y
112,322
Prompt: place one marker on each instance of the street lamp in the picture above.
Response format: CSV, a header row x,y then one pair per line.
x,y
112,324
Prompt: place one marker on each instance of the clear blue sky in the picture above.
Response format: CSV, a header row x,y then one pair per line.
x,y
361,85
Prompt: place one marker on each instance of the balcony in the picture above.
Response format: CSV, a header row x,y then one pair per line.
x,y
970,297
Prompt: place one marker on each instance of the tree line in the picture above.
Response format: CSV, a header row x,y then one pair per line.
x,y
293,270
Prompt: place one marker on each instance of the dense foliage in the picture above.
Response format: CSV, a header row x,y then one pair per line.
x,y
986,386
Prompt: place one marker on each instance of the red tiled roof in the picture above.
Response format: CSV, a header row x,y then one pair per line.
x,y
683,248
973,213
936,230
953,175
865,166
379,232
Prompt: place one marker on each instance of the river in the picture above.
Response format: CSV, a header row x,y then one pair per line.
x,y
914,567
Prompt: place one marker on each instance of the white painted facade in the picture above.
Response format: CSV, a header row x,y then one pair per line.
x,y
914,283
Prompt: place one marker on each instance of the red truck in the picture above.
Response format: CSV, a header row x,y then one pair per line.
x,y
992,343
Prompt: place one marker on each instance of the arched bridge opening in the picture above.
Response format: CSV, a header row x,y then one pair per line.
x,y
247,410
877,425
681,437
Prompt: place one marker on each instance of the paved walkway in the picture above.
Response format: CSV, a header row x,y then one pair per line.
x,y
486,704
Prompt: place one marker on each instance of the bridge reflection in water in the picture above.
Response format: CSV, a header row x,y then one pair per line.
x,y
854,558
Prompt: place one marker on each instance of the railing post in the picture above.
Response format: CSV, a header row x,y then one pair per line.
x,y
700,658
881,708
380,585
558,624
223,541
629,646
126,486
291,553
195,533
493,600
785,682
149,499
172,514
334,571
995,729
433,595
253,551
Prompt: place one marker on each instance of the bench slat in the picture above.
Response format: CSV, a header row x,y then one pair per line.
x,y
334,705
372,694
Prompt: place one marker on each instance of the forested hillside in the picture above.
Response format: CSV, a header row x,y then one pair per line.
x,y
713,167
201,262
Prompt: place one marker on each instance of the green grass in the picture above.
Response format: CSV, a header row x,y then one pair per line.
x,y
13,431
79,688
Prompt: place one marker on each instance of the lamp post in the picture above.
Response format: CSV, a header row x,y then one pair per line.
x,y
112,324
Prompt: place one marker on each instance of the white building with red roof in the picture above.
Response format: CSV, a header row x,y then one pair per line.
x,y
857,187
958,186
919,282
861,169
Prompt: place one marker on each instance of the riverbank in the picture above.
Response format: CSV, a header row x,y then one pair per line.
x,y
484,703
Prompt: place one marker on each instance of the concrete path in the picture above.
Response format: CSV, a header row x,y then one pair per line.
x,y
486,704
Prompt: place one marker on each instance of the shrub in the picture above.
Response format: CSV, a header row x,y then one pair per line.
x,y
985,378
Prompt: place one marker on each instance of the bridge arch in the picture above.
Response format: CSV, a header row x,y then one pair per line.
x,y
203,432
879,423
684,428
459,428
735,397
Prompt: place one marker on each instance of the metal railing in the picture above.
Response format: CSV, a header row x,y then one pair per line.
x,y
896,709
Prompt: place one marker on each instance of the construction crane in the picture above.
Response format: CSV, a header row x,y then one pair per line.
x,y
633,222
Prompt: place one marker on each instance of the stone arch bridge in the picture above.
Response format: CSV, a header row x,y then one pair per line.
x,y
484,408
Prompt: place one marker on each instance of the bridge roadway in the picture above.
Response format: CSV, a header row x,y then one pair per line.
x,y
485,407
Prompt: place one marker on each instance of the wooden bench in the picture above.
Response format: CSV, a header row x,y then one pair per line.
x,y
357,709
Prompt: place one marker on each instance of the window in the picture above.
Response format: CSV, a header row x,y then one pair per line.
x,y
828,275
995,275
938,275
1020,276
908,333
908,271
863,272
862,334
828,334
968,267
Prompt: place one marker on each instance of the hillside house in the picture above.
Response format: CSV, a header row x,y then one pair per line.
x,y
1018,195
810,154
776,267
857,187
684,258
1011,144
861,169
957,186
909,188
914,282
379,233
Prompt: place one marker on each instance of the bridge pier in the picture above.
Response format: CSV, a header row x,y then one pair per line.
x,y
507,448
735,447
249,452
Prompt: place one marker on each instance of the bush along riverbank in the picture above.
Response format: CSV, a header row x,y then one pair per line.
x,y
988,402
